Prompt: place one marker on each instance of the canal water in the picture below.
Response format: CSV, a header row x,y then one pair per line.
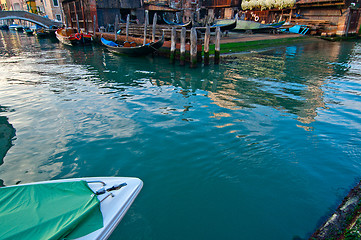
x,y
263,146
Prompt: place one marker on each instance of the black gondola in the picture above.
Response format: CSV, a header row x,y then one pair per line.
x,y
134,51
223,27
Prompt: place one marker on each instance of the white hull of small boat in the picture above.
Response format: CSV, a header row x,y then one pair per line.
x,y
113,207
114,203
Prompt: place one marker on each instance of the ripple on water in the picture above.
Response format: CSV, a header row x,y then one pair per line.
x,y
263,136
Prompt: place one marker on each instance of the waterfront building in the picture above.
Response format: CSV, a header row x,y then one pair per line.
x,y
335,17
4,5
49,8
16,5
82,12
224,9
196,10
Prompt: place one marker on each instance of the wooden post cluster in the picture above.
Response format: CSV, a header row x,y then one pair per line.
x,y
195,50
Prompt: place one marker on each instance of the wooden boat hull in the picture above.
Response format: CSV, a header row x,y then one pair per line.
x,y
243,25
223,27
186,25
16,27
71,37
136,51
28,31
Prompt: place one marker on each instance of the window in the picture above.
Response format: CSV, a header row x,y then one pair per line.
x,y
56,3
58,17
16,7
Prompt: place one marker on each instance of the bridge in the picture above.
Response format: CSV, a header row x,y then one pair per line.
x,y
30,17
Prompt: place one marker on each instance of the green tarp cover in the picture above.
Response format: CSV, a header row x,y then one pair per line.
x,y
49,211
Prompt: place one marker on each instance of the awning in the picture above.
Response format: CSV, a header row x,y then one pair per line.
x,y
49,211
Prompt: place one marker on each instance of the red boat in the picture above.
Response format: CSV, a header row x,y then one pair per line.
x,y
71,36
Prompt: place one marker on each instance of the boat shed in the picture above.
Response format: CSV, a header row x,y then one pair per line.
x,y
222,8
322,17
79,13
162,10
82,12
330,17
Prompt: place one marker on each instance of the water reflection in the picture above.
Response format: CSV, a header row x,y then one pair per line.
x,y
279,78
190,133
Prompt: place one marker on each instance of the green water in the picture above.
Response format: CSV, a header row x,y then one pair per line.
x,y
263,146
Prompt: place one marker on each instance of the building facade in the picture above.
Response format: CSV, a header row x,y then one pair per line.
x,y
83,12
50,8
339,17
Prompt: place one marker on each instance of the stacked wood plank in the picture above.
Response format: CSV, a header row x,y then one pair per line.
x,y
316,26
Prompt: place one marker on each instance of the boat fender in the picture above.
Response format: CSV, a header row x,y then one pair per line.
x,y
77,36
256,18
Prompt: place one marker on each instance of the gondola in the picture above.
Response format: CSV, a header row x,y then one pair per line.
x,y
28,31
4,27
71,37
243,26
16,27
40,33
132,49
223,27
186,25
79,208
277,24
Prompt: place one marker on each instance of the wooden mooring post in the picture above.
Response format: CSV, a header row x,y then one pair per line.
x,y
217,46
77,23
154,27
173,45
206,45
146,21
94,24
193,49
127,28
115,27
182,56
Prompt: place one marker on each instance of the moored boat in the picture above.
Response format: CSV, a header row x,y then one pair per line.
x,y
40,33
187,25
223,26
243,25
4,27
82,208
132,49
16,27
28,31
71,36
